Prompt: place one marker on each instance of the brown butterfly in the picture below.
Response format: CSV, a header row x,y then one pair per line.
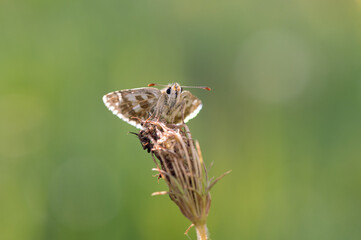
x,y
171,104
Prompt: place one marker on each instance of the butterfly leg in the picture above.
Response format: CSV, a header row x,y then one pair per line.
x,y
179,109
182,108
159,108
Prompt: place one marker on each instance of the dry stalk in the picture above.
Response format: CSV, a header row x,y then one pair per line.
x,y
182,168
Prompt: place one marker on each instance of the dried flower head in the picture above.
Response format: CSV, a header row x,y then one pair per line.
x,y
183,169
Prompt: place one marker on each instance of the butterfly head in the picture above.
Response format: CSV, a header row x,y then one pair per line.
x,y
176,87
173,91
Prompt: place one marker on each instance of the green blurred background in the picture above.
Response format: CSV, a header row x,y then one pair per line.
x,y
283,114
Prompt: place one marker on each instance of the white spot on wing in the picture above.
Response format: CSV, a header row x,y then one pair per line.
x,y
137,108
144,96
131,98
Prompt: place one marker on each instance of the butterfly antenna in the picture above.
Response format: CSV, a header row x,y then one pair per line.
x,y
202,87
155,84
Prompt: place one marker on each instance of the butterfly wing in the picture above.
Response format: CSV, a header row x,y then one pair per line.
x,y
132,105
189,108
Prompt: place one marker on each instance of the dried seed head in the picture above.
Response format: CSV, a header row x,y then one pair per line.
x,y
181,166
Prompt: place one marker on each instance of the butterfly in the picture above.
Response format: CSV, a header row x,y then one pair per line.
x,y
170,105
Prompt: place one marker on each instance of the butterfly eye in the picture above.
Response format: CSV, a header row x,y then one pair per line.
x,y
168,91
181,89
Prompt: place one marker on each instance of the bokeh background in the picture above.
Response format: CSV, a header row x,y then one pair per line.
x,y
284,114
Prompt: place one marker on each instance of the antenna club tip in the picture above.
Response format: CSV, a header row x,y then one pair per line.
x,y
151,84
207,88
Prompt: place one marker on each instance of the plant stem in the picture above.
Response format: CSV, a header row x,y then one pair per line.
x,y
202,232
